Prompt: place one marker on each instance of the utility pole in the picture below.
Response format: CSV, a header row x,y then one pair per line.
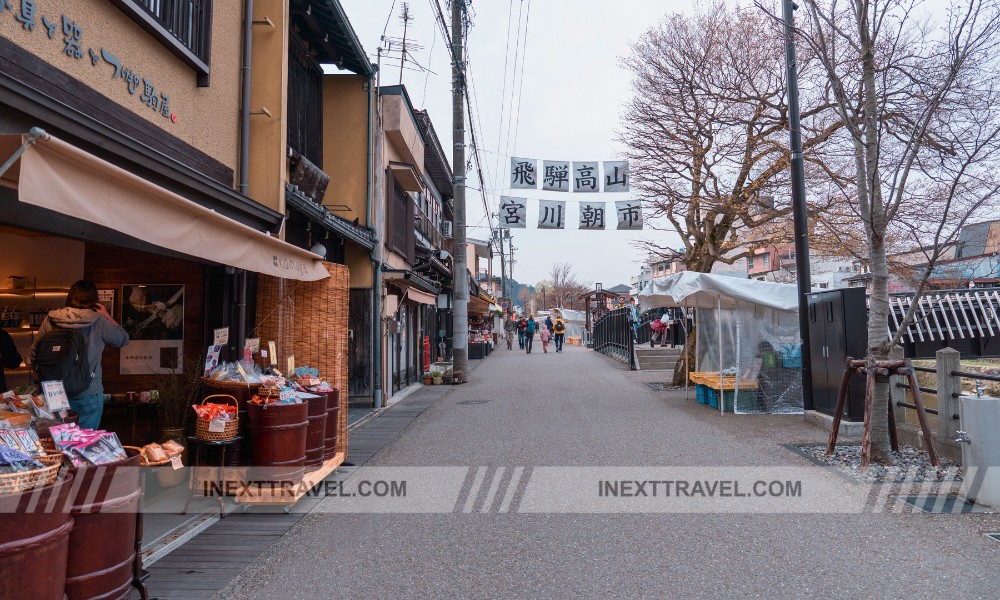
x,y
799,210
460,314
503,268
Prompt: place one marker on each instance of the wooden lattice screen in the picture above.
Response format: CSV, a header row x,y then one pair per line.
x,y
308,319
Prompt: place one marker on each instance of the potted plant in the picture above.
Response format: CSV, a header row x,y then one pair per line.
x,y
436,377
427,378
177,392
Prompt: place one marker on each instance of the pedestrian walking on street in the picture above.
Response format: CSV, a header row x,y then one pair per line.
x,y
544,334
509,326
548,324
522,325
559,328
529,332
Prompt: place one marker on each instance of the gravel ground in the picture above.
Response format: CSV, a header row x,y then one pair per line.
x,y
910,464
580,409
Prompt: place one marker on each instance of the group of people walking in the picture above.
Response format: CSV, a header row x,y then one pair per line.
x,y
526,326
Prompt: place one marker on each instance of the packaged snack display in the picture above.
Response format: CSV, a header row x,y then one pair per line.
x,y
154,453
212,412
172,448
22,439
87,446
15,461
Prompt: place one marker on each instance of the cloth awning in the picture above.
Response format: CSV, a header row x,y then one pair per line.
x,y
705,290
58,176
421,297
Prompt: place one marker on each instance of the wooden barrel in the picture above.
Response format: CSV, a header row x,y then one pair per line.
x,y
332,424
102,544
34,541
316,432
277,442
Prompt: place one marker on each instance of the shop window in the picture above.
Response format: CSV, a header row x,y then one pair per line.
x,y
305,102
401,236
183,26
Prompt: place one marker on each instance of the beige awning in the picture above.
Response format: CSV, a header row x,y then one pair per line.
x,y
421,297
406,176
65,179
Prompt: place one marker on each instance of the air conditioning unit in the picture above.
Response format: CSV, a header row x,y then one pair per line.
x,y
446,229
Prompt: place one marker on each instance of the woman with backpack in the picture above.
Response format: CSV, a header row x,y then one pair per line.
x,y
529,332
83,323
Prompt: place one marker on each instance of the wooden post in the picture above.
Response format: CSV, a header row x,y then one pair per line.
x,y
921,414
948,360
866,437
838,411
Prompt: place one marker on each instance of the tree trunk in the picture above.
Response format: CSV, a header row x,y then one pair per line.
x,y
878,323
686,358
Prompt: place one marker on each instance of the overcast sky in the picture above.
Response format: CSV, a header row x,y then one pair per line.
x,y
572,95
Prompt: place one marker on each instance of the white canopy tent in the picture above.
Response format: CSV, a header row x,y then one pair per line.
x,y
705,290
747,330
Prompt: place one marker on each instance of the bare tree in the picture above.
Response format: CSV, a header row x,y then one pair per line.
x,y
564,284
706,132
922,131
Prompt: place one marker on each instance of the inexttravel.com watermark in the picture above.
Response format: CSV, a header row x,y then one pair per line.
x,y
725,488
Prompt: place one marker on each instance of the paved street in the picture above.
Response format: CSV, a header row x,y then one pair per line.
x,y
581,409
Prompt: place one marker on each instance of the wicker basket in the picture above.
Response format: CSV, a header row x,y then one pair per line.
x,y
51,457
232,426
143,462
229,385
15,483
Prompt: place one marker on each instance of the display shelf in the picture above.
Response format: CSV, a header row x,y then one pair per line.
x,y
21,329
32,291
18,371
286,496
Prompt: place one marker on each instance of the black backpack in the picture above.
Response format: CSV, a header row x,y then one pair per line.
x,y
61,355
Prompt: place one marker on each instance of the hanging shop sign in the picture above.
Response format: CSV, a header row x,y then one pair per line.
x,y
552,214
70,34
562,176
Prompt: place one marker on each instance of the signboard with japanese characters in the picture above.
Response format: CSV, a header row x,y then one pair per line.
x,y
592,215
629,214
551,214
513,213
522,174
555,176
71,34
563,176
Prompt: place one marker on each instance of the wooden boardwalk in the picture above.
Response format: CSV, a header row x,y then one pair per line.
x,y
206,564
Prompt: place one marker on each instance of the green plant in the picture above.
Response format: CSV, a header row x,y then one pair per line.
x,y
437,373
177,392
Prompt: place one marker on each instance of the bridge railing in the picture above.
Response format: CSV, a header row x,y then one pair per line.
x,y
613,336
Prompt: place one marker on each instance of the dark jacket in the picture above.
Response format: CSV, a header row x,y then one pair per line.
x,y
99,332
548,324
10,358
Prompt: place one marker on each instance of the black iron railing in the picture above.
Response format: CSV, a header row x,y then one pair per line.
x,y
186,20
613,335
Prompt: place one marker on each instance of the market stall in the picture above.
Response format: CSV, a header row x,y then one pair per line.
x,y
748,351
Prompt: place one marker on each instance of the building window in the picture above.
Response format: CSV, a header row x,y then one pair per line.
x,y
750,263
183,26
766,258
823,286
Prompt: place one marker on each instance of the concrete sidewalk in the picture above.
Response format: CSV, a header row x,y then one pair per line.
x,y
579,409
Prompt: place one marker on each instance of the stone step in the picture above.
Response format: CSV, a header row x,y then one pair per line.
x,y
657,365
658,352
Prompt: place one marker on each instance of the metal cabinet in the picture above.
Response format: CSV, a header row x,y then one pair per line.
x,y
838,328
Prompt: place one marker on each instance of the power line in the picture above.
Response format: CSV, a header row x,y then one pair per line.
x,y
517,51
524,56
503,94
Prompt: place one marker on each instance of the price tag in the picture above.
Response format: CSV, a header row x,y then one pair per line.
x,y
291,364
212,358
263,353
55,396
272,348
175,462
221,336
253,344
216,426
247,356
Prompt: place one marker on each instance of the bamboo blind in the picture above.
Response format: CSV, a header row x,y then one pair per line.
x,y
308,319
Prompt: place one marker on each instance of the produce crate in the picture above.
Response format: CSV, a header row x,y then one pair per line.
x,y
727,395
701,393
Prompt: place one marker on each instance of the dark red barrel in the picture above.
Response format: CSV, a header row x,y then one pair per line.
x,y
332,424
316,432
34,540
102,544
277,441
